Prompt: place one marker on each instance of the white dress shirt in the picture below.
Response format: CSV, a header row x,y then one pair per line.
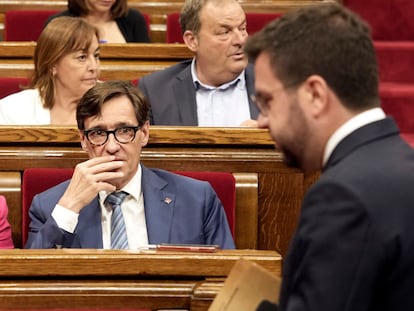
x,y
225,105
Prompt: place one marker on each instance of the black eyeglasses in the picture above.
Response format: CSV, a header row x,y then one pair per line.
x,y
123,135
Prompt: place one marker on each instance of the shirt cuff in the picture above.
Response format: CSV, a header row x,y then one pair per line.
x,y
65,218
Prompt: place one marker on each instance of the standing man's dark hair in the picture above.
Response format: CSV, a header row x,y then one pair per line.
x,y
326,40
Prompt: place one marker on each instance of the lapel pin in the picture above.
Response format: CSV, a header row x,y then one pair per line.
x,y
167,200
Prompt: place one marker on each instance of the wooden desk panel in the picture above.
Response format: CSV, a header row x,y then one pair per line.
x,y
74,278
118,61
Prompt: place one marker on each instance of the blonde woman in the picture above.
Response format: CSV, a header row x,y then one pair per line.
x,y
66,65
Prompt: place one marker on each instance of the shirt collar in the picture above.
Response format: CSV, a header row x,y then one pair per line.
x,y
350,126
239,81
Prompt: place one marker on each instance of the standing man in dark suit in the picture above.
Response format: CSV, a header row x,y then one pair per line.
x,y
215,87
158,206
317,89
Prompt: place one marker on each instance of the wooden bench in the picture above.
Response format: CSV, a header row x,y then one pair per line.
x,y
77,279
118,61
157,9
268,193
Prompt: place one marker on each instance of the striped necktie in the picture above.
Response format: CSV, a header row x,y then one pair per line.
x,y
119,238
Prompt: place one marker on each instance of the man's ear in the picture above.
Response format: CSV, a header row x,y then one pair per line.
x,y
144,133
191,40
82,138
315,94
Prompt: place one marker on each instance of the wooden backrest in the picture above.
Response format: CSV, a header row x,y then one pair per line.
x,y
36,180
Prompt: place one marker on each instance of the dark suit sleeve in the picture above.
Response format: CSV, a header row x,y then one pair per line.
x,y
335,255
43,230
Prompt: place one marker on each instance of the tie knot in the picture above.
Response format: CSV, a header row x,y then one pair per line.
x,y
115,199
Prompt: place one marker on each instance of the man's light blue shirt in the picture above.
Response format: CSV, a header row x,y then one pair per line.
x,y
226,105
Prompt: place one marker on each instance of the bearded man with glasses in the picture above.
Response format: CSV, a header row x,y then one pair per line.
x,y
157,206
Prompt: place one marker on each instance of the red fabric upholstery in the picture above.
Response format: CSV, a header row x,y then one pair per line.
x,y
36,180
395,61
173,34
397,100
389,19
225,186
25,25
255,22
409,138
148,22
11,85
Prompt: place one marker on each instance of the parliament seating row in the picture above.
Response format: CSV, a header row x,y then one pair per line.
x,y
157,11
26,25
132,61
36,180
268,193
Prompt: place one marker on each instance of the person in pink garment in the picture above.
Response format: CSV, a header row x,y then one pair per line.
x,y
6,240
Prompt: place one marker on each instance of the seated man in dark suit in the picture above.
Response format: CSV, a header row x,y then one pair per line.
x,y
113,201
215,87
317,88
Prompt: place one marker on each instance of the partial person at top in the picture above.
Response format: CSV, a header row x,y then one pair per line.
x,y
215,87
156,207
115,21
66,65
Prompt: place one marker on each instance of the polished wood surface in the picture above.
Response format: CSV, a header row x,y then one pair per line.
x,y
116,279
269,194
118,61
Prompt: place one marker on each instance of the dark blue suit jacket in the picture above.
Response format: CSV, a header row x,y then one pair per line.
x,y
354,245
195,215
172,95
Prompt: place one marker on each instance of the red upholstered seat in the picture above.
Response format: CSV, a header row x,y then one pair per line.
x,y
395,61
173,29
11,85
389,19
25,25
36,180
397,100
255,22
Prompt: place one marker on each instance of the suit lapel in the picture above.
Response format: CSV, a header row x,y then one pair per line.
x,y
249,75
159,206
185,97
